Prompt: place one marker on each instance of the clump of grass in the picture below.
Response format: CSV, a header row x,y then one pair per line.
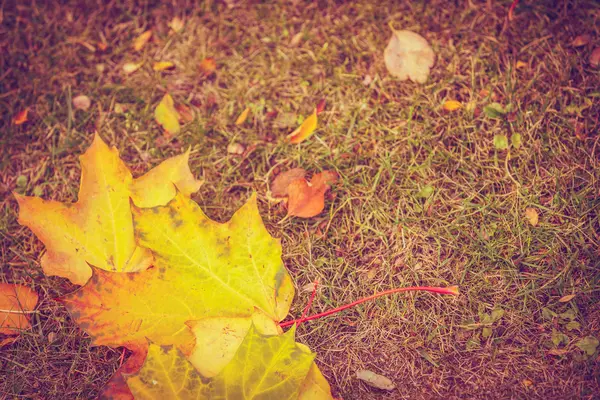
x,y
388,140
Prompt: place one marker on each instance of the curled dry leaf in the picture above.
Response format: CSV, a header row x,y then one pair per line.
x,y
21,117
409,56
532,216
305,130
130,68
279,186
452,105
305,200
375,380
208,66
581,40
567,298
167,116
82,102
16,301
242,117
595,57
140,41
521,65
235,148
163,66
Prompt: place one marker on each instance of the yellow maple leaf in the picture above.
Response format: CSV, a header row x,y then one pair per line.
x,y
305,130
167,116
202,269
452,105
140,41
98,228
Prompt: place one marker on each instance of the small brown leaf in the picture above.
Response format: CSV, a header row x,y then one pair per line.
x,y
279,186
567,298
140,41
558,352
521,65
321,106
581,40
595,57
307,200
532,216
82,102
21,117
375,380
208,66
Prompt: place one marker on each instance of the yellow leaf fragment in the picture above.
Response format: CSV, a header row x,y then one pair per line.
x,y
315,386
16,301
167,116
130,68
140,41
452,105
532,216
242,117
21,117
305,130
160,185
163,65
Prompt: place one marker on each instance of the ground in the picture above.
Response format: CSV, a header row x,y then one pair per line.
x,y
424,197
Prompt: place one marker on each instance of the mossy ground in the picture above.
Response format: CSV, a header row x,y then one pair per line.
x,y
386,139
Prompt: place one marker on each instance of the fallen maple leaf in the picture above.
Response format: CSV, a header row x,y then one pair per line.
x,y
16,302
21,117
167,116
452,105
305,130
307,200
140,41
208,66
408,56
243,116
281,183
98,228
82,102
163,66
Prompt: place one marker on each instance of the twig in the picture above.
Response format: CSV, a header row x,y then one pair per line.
x,y
310,301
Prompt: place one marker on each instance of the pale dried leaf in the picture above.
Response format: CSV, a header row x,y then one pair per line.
x,y
375,380
532,216
279,186
409,56
82,102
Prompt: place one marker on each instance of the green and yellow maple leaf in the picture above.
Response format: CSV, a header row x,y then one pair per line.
x,y
98,228
264,367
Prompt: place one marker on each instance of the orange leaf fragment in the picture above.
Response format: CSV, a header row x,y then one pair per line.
x,y
595,57
521,65
307,200
186,114
321,106
243,116
279,187
21,117
305,130
140,41
16,301
581,40
452,105
208,66
567,298
163,66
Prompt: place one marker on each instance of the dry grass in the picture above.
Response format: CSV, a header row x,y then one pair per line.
x,y
387,139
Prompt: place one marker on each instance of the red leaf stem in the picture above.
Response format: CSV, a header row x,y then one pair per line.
x,y
453,290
